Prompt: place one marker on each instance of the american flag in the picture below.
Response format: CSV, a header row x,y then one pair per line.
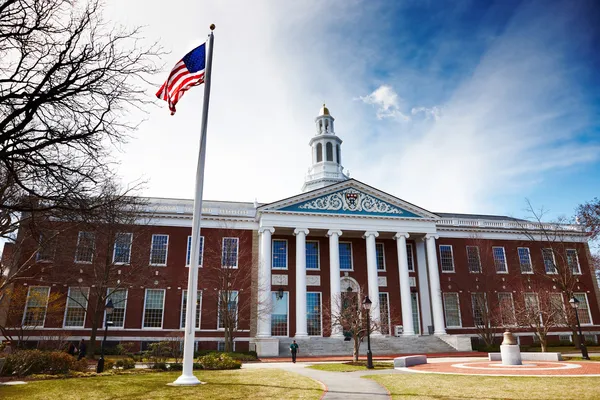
x,y
187,73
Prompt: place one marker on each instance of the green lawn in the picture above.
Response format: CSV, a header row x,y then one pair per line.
x,y
351,366
237,384
563,349
435,387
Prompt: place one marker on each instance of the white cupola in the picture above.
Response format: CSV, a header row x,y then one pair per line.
x,y
326,150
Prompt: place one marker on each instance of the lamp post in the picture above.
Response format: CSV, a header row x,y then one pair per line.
x,y
109,310
367,306
575,304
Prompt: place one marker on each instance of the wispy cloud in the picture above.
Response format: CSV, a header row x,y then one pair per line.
x,y
387,102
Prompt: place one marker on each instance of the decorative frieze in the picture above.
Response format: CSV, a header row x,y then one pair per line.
x,y
412,281
382,281
351,200
279,280
313,280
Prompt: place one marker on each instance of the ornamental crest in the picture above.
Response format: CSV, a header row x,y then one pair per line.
x,y
350,200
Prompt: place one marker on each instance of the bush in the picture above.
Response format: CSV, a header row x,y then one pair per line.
x,y
125,363
29,362
160,366
219,361
175,367
109,365
240,356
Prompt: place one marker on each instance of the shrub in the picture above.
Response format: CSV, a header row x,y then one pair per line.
x,y
125,363
29,362
109,365
219,361
240,356
160,366
175,367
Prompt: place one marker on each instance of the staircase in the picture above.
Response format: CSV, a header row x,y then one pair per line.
x,y
386,345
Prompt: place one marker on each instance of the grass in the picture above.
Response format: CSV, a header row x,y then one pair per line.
x,y
350,366
563,349
238,384
434,387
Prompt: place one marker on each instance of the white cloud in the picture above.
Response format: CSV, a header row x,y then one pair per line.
x,y
433,113
387,102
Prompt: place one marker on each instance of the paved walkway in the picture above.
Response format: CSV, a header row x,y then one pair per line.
x,y
375,357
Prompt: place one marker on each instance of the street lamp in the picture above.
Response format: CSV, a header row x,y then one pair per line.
x,y
367,306
109,310
575,304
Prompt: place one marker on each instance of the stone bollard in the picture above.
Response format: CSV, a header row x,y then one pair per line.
x,y
509,350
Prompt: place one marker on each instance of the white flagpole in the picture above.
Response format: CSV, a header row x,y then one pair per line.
x,y
187,376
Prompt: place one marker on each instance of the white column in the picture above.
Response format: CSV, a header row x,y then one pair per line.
x,y
301,330
405,301
264,283
425,309
434,284
372,276
334,278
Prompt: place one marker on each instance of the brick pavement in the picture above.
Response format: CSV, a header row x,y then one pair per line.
x,y
530,368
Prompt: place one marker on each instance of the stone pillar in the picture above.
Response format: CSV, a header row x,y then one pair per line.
x,y
264,283
334,277
301,330
372,276
405,301
434,283
424,299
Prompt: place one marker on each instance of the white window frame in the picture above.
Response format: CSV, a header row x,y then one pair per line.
x,y
587,303
389,319
287,255
410,257
530,263
553,261
318,255
109,292
199,312
578,272
485,303
237,309
512,302
451,258
188,252
27,306
419,325
166,250
457,306
52,235
115,248
537,301
87,301
320,313
77,248
480,268
162,321
287,314
351,257
382,256
237,252
505,260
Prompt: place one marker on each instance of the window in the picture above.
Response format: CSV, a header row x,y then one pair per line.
x,y
122,252
549,262
184,307
228,316
473,259
319,152
384,310
329,151
312,255
506,307
158,250
557,304
279,316
415,312
280,259
573,261
86,244
220,346
446,258
229,255
500,260
313,313
409,255
480,310
380,255
337,154
153,308
47,246
565,338
452,310
532,303
345,256
77,302
585,318
188,255
119,299
525,260
36,306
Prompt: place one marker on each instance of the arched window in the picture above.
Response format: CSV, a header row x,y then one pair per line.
x,y
337,154
319,152
329,151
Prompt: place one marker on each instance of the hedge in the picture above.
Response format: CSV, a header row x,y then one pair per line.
x,y
29,362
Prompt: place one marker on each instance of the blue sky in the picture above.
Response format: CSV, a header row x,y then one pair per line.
x,y
464,106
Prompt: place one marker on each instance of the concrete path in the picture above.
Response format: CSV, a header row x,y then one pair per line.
x,y
340,385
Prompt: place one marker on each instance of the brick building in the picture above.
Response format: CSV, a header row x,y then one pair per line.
x,y
427,273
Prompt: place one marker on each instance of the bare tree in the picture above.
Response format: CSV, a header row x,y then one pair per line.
x,y
588,215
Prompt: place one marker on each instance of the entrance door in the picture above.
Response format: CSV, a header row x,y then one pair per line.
x,y
415,312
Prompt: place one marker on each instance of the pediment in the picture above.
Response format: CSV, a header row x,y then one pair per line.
x,y
349,198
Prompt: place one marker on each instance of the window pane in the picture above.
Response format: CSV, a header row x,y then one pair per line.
x,y
228,316
379,252
583,310
279,254
549,264
229,256
452,310
446,258
313,313
158,250
47,246
153,312
409,256
345,256
573,261
119,299
184,308
36,305
86,244
279,317
188,255
473,259
122,253
525,260
480,315
415,312
507,308
384,310
312,255
499,259
77,302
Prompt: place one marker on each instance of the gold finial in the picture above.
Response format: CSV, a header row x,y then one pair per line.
x,y
324,110
212,27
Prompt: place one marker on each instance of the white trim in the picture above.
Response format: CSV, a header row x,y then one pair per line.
x,y
144,310
411,258
530,262
320,313
318,255
287,255
166,250
445,310
287,293
351,257
382,256
27,306
115,248
390,330
418,311
87,301
588,308
451,257
576,260
505,261
237,252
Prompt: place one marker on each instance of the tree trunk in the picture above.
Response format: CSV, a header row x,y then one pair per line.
x,y
543,343
91,350
356,348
